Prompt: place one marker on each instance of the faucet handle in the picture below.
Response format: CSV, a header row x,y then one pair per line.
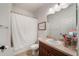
x,y
60,33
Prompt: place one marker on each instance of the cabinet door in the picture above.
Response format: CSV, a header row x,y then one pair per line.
x,y
45,50
42,50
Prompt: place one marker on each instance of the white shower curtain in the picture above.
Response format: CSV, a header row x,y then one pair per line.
x,y
24,31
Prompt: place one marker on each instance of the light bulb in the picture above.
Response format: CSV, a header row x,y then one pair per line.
x,y
57,7
64,5
51,11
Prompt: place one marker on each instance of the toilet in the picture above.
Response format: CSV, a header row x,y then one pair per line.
x,y
34,47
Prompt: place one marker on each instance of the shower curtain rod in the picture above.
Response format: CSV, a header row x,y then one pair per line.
x,y
20,14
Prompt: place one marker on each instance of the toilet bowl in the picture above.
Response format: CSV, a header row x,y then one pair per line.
x,y
34,47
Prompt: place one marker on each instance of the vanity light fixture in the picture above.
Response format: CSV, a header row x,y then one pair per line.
x,y
64,5
58,7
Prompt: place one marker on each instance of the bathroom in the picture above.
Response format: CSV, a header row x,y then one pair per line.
x,y
39,29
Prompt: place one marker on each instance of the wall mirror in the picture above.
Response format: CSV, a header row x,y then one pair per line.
x,y
62,24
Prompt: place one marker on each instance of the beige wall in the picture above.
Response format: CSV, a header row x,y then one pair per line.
x,y
41,15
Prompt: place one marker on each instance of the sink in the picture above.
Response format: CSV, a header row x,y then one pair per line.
x,y
53,42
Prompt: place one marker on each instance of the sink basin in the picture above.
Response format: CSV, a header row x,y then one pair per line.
x,y
53,42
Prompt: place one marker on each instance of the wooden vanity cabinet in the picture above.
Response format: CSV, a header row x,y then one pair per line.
x,y
45,50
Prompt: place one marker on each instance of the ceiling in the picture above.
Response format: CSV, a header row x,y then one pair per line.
x,y
31,7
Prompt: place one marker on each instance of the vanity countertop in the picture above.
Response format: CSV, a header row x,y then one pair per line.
x,y
59,47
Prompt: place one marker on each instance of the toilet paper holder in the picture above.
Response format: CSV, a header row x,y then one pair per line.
x,y
3,26
2,48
